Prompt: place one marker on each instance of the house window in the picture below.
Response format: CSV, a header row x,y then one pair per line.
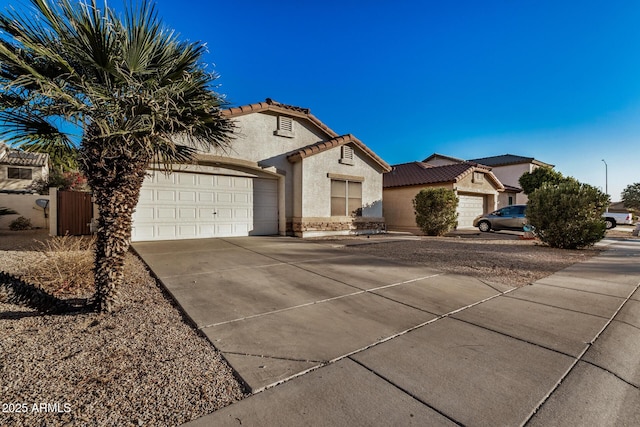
x,y
510,200
346,198
19,173
285,127
346,155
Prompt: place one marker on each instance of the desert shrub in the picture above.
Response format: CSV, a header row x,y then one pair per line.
x,y
20,223
568,215
435,210
66,267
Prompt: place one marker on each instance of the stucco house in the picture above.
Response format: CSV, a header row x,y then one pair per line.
x,y
508,168
476,186
20,169
285,172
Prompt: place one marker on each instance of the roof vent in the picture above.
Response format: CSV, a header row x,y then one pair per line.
x,y
285,127
347,157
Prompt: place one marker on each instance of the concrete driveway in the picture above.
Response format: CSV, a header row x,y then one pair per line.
x,y
382,343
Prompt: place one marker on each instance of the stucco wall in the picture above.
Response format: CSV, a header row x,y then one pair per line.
x,y
25,205
317,185
20,184
467,185
398,206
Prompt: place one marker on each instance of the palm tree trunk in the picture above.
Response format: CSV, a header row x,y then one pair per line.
x,y
116,188
112,243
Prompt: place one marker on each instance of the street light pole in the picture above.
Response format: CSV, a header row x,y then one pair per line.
x,y
606,178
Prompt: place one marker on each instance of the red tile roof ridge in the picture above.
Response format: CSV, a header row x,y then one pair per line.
x,y
271,105
337,141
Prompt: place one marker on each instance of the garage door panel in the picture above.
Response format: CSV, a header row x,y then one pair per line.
x,y
207,230
187,196
166,213
224,213
206,197
187,213
224,197
223,182
145,213
206,181
242,198
186,180
165,196
240,183
469,207
187,205
166,232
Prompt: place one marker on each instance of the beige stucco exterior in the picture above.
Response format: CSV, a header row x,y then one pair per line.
x,y
304,194
399,214
510,175
37,173
25,205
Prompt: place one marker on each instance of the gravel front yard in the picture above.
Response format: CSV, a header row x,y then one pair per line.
x,y
144,365
492,257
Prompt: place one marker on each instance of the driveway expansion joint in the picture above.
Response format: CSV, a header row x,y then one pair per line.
x,y
266,356
407,392
580,358
558,307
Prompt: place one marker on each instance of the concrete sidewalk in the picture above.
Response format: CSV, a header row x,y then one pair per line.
x,y
357,340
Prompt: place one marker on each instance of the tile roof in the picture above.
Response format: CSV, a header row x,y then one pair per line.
x,y
271,105
419,173
508,159
319,147
14,157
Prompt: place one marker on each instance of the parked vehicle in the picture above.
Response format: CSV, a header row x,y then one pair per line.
x,y
508,218
612,219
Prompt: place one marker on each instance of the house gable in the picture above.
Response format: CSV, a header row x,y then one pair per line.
x,y
441,160
19,169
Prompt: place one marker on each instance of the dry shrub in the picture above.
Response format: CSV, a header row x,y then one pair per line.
x,y
66,269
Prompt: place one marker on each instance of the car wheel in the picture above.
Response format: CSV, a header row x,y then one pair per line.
x,y
484,226
610,223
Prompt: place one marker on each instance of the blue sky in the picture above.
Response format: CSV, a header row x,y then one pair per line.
x,y
555,80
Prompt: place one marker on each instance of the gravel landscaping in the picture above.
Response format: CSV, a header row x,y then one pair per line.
x,y
492,257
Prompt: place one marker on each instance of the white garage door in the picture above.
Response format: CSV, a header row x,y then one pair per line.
x,y
469,207
189,205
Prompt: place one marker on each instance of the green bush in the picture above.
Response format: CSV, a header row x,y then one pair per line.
x,y
568,215
435,210
20,223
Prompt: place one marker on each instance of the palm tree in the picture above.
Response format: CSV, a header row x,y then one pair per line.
x,y
126,86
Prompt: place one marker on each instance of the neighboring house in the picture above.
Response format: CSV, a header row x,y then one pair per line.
x,y
476,186
20,169
285,172
508,168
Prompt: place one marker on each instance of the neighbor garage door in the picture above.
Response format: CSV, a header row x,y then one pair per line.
x,y
469,207
190,205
